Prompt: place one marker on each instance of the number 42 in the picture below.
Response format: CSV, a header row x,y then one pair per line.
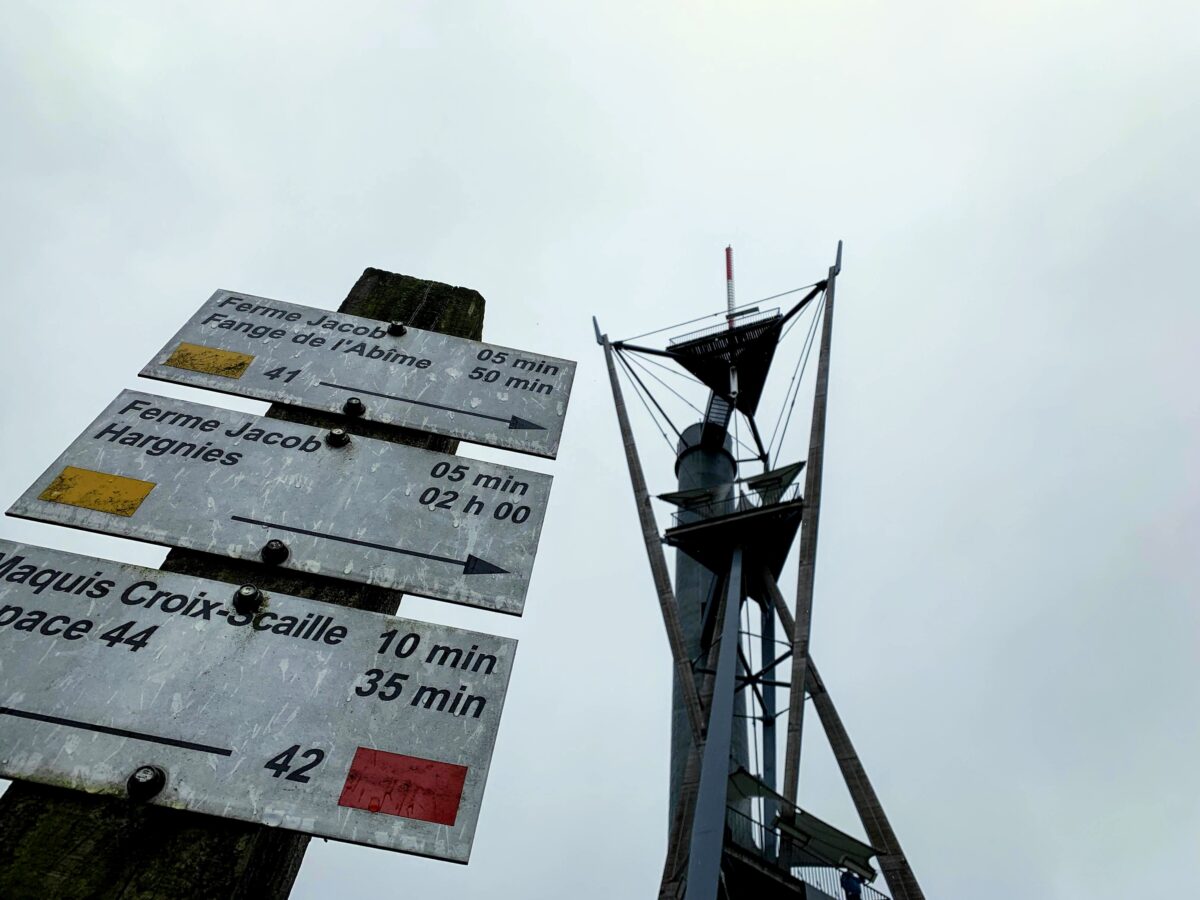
x,y
282,764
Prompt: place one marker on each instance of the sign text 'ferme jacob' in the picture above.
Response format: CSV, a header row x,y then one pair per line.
x,y
239,485
385,372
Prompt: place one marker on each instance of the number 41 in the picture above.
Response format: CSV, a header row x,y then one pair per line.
x,y
287,375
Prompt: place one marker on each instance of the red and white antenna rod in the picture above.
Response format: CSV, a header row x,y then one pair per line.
x,y
729,281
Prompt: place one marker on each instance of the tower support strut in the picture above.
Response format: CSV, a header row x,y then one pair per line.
x,y
654,552
892,861
808,546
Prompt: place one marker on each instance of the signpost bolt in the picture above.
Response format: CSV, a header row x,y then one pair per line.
x,y
274,552
247,599
354,407
337,437
145,783
397,329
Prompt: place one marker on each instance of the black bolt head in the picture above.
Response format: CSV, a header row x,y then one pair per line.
x,y
337,437
397,329
354,407
145,783
274,552
247,599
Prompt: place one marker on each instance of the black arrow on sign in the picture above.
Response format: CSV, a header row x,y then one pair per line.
x,y
472,565
513,422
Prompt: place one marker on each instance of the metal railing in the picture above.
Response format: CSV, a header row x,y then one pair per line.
x,y
827,878
739,322
736,504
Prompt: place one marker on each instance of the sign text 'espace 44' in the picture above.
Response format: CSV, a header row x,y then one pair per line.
x,y
200,695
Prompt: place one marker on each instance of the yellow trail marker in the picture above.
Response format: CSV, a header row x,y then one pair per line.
x,y
100,491
209,360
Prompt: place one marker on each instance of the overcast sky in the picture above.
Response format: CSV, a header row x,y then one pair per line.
x,y
1005,608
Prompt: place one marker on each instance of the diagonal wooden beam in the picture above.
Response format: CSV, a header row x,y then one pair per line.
x,y
786,619
674,879
892,861
808,545
654,553
678,842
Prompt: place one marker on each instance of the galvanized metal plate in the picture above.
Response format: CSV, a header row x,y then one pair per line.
x,y
189,475
270,350
346,724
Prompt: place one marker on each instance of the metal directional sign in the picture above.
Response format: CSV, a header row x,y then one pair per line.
x,y
271,709
271,350
189,475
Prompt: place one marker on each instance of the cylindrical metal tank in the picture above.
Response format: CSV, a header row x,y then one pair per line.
x,y
698,466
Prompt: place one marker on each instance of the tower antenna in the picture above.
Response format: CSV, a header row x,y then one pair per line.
x,y
729,282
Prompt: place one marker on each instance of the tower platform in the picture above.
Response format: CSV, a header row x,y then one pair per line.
x,y
764,530
748,346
